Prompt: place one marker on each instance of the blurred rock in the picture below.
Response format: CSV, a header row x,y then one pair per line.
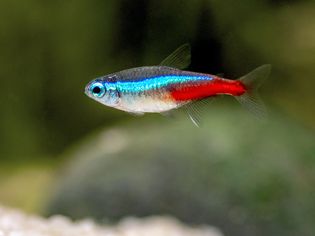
x,y
14,222
242,175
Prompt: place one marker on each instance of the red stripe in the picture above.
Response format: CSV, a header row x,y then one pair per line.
x,y
193,91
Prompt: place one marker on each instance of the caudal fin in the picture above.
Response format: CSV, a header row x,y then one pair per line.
x,y
250,99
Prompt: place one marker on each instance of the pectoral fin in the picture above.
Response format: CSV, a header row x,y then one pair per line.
x,y
136,113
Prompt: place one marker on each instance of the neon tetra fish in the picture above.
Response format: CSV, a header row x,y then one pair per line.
x,y
167,87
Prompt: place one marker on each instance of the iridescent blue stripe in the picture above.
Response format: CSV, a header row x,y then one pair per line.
x,y
157,82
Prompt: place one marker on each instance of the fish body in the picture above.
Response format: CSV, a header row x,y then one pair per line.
x,y
161,88
167,87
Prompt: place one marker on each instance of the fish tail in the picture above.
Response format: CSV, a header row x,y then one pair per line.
x,y
250,99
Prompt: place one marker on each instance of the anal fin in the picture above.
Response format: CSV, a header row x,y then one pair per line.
x,y
195,110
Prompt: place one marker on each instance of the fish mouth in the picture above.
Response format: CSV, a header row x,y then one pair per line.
x,y
87,89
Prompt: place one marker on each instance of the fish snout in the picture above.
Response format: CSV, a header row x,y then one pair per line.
x,y
86,89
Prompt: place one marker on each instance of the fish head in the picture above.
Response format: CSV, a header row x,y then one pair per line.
x,y
103,90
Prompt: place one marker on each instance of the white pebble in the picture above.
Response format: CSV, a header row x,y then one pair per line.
x,y
16,223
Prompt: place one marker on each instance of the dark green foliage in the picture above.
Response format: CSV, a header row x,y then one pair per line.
x,y
244,176
50,50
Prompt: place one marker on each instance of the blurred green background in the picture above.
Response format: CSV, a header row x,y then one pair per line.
x,y
49,50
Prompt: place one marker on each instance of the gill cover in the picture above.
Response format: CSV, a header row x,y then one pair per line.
x,y
103,91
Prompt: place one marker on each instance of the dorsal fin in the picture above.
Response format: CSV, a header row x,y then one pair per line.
x,y
179,59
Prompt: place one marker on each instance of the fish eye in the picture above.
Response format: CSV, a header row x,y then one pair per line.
x,y
98,89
